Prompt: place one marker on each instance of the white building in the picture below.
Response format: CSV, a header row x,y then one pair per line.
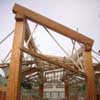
x,y
54,91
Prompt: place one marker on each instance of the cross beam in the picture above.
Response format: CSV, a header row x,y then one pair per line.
x,y
52,60
55,26
22,14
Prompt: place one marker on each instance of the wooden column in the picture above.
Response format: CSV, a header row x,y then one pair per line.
x,y
90,80
66,91
13,92
41,92
42,82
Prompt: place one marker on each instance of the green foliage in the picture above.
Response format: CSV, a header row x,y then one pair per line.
x,y
3,81
38,82
98,83
26,85
32,89
98,65
82,87
78,88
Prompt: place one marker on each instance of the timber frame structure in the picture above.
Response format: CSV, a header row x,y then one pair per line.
x,y
22,33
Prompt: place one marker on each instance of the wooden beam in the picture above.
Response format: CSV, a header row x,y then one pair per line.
x,y
90,80
67,95
28,62
97,75
53,61
46,58
23,63
42,20
41,91
13,91
4,65
28,71
31,76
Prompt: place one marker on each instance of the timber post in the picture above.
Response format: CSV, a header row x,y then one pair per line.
x,y
41,91
13,92
90,76
41,86
66,90
16,58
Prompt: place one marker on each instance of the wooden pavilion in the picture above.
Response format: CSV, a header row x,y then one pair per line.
x,y
41,65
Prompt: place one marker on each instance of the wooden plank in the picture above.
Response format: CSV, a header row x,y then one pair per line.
x,y
53,61
46,58
42,20
13,92
90,80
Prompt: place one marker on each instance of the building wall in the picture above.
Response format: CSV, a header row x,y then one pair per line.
x,y
54,91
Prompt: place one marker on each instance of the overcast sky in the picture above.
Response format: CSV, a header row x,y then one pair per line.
x,y
84,14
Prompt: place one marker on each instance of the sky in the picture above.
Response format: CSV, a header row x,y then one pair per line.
x,y
81,14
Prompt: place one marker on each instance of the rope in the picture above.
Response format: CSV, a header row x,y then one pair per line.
x,y
77,29
77,54
31,35
56,41
96,52
6,37
81,65
30,38
61,47
96,59
5,59
73,42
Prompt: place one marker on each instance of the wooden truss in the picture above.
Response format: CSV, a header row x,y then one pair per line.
x,y
22,33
